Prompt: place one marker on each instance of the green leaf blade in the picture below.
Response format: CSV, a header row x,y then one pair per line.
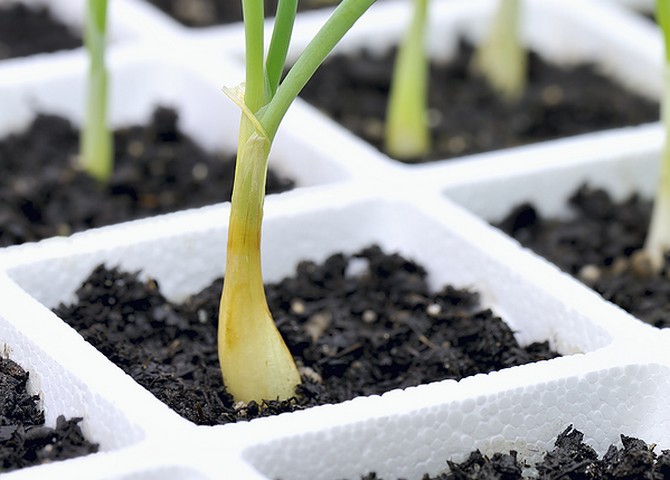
x,y
281,39
339,23
96,145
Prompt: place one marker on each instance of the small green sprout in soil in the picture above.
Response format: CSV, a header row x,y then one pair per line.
x,y
557,102
96,139
501,58
658,238
255,362
407,133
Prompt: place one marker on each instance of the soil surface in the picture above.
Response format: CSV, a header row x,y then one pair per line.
x,y
157,170
570,459
358,324
205,13
597,244
27,31
467,116
24,440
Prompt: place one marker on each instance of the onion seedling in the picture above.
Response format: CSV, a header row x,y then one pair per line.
x,y
255,362
407,134
501,58
658,237
96,139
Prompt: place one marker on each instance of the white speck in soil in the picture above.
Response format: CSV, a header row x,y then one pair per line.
x,y
297,306
552,95
369,316
135,148
200,172
589,273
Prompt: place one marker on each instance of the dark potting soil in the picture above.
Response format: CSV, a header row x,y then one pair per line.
x,y
357,325
570,459
597,245
30,30
157,170
467,116
205,13
24,440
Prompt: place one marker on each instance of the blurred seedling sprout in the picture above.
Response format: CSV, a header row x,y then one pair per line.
x,y
255,362
407,135
500,57
96,146
658,237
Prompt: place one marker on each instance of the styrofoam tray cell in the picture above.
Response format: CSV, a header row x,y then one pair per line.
x,y
602,404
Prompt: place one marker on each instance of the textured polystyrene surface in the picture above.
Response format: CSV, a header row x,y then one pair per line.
x,y
624,162
601,403
613,378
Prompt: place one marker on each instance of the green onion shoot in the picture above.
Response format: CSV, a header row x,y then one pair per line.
x,y
407,134
96,146
255,362
658,237
501,58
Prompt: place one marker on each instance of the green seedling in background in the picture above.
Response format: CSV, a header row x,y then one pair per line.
x,y
407,134
96,147
255,362
658,237
501,58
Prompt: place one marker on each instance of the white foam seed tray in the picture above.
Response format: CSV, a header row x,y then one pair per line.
x,y
606,384
301,225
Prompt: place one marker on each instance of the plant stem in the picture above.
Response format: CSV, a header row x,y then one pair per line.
x,y
657,242
96,146
407,134
501,57
255,362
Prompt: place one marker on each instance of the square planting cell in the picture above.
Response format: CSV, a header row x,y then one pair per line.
x,y
578,33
